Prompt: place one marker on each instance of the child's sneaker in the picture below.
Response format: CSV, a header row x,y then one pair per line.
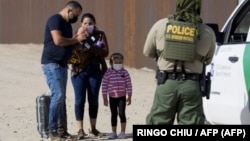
x,y
112,136
122,135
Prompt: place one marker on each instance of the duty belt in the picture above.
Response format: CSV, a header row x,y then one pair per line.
x,y
183,76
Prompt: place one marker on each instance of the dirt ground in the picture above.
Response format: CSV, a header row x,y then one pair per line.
x,y
22,80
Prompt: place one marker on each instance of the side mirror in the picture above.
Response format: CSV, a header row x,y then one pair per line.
x,y
219,35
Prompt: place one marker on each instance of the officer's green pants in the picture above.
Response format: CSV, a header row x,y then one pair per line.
x,y
177,98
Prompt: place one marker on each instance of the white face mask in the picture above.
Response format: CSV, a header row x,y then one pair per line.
x,y
117,66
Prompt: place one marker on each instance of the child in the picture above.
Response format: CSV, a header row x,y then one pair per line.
x,y
116,84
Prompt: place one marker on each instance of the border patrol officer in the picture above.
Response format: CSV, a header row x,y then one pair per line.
x,y
178,93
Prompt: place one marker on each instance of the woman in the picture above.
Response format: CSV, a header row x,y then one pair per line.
x,y
87,79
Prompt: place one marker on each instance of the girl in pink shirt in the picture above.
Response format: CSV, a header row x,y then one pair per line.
x,y
117,87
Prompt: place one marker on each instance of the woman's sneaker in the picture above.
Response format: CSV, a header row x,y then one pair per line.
x,y
112,136
122,135
81,134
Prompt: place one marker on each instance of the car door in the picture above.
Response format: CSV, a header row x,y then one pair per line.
x,y
230,68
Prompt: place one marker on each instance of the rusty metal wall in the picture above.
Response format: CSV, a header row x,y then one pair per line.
x,y
126,22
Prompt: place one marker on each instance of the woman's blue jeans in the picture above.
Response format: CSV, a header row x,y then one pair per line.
x,y
87,82
56,78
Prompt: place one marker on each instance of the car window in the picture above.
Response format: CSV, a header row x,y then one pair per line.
x,y
244,24
240,28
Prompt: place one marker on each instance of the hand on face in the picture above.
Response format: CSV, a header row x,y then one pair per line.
x,y
88,24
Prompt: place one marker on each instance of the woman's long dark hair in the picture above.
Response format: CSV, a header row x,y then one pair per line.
x,y
88,15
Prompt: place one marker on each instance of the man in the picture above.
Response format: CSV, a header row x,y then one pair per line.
x,y
178,93
58,44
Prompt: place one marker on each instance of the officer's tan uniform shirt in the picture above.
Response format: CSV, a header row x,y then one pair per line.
x,y
155,41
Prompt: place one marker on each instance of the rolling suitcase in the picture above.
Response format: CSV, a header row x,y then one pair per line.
x,y
42,114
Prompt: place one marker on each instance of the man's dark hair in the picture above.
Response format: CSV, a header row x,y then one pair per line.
x,y
74,5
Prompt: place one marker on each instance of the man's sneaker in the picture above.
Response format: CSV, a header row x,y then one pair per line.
x,y
122,135
65,135
81,134
112,136
95,132
53,136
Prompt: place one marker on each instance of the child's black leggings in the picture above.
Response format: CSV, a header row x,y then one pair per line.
x,y
117,106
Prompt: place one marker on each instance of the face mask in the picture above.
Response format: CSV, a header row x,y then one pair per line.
x,y
90,29
117,66
73,20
